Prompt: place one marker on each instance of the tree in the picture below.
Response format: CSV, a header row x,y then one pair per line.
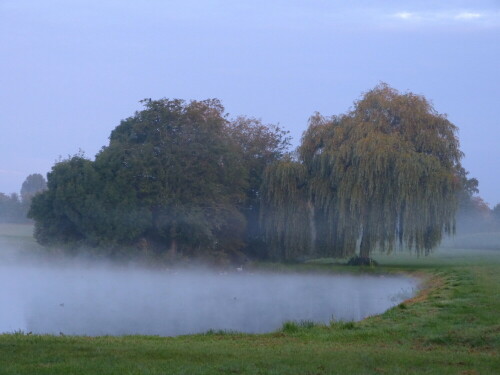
x,y
385,172
33,184
473,215
285,212
496,214
171,178
176,160
11,210
68,211
259,146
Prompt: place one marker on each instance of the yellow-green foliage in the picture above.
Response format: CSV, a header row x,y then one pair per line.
x,y
385,171
285,210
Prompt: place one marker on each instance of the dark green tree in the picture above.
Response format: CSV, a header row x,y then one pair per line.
x,y
177,161
68,211
175,176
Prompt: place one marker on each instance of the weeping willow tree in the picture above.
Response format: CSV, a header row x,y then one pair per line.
x,y
285,211
383,174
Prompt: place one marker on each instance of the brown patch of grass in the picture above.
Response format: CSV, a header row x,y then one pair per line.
x,y
430,284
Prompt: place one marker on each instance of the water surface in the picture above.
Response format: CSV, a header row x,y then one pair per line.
x,y
90,299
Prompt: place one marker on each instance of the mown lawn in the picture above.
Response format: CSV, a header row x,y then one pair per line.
x,y
451,327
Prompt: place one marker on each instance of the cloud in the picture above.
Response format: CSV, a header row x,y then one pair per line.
x,y
468,16
489,18
404,15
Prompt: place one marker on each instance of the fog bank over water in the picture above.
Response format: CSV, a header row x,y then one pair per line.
x,y
86,298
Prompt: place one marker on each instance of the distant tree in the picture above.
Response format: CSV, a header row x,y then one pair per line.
x,y
384,172
496,214
474,214
11,209
33,184
481,206
468,189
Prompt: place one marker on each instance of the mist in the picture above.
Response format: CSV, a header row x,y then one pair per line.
x,y
82,297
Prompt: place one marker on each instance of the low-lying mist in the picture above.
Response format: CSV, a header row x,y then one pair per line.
x,y
90,298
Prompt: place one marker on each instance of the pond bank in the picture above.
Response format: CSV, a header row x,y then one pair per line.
x,y
453,330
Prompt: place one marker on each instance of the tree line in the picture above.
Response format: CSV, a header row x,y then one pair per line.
x,y
182,178
14,207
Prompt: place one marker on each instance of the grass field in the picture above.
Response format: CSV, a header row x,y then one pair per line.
x,y
451,327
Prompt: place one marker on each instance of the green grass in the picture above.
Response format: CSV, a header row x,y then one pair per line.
x,y
17,238
16,230
452,327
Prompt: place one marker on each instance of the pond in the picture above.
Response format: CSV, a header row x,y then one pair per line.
x,y
90,299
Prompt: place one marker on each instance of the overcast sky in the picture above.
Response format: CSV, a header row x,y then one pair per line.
x,y
71,70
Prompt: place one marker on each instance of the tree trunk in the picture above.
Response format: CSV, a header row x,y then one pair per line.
x,y
365,246
173,247
364,251
312,227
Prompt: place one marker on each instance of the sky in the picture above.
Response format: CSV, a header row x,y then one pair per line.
x,y
71,70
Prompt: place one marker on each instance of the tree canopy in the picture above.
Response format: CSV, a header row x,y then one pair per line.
x,y
384,173
259,145
176,176
180,176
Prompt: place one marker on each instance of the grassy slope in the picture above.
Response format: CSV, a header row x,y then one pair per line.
x,y
453,327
